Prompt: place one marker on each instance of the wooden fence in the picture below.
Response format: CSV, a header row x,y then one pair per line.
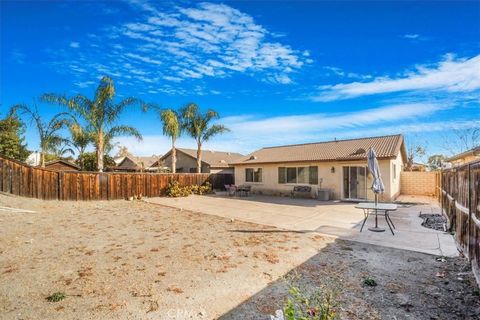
x,y
460,200
23,180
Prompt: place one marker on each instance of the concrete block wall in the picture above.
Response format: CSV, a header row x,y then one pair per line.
x,y
419,183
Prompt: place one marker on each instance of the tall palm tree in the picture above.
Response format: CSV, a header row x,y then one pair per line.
x,y
48,132
101,115
198,125
80,139
172,127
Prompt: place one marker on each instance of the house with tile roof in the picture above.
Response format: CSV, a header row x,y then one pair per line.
x,y
339,166
212,161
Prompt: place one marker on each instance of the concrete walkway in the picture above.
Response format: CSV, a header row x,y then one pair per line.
x,y
337,219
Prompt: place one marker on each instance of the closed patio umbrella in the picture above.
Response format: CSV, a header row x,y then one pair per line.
x,y
377,184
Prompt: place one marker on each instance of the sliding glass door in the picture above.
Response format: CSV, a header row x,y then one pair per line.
x,y
354,182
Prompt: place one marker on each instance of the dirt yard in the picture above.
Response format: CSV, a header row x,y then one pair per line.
x,y
134,260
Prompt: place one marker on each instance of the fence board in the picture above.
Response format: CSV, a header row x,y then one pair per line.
x,y
20,179
460,199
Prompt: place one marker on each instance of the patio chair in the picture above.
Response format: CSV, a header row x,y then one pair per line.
x,y
244,190
231,189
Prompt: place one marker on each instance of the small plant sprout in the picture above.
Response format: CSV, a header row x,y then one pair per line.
x,y
57,296
369,282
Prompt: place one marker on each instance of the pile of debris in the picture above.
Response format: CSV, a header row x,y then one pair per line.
x,y
434,221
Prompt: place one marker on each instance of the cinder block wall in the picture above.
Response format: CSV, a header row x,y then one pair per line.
x,y
418,183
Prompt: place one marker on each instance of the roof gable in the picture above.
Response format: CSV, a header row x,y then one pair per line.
x,y
216,159
64,162
337,150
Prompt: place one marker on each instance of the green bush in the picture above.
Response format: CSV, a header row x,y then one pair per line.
x,y
174,189
320,305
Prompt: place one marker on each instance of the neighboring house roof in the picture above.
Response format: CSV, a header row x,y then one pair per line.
x,y
215,159
64,162
133,163
475,152
337,150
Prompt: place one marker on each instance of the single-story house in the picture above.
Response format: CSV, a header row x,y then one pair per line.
x,y
465,157
339,166
212,161
61,165
131,163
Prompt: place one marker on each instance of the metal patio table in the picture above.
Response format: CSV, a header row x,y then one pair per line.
x,y
379,209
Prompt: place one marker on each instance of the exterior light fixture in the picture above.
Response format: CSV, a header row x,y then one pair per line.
x,y
332,170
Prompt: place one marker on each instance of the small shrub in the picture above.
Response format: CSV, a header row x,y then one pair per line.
x,y
55,297
318,306
174,189
369,282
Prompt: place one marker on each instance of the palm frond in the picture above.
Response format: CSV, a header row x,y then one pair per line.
x,y
122,131
171,120
213,131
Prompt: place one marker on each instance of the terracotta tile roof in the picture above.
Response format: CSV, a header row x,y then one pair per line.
x,y
215,159
352,149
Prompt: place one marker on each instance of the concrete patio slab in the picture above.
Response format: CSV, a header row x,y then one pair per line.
x,y
336,219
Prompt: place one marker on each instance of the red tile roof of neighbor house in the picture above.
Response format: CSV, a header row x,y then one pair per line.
x,y
337,150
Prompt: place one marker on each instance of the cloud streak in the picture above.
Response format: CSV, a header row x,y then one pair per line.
x,y
178,45
452,75
251,132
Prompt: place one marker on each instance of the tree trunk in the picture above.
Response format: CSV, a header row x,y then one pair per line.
x,y
42,159
199,158
80,158
100,152
174,156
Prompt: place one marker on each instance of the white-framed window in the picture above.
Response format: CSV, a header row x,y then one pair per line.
x,y
298,175
394,171
253,174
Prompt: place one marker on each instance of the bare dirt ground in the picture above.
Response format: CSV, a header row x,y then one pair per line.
x,y
134,260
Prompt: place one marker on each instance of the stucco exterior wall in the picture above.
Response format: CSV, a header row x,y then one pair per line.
x,y
185,162
327,179
222,170
396,178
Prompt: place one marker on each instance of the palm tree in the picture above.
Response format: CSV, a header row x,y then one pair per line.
x,y
100,114
48,132
80,139
172,127
198,126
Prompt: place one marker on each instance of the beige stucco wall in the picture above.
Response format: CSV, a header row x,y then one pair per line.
x,y
185,162
222,170
395,180
329,180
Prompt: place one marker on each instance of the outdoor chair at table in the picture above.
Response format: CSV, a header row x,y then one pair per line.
x,y
231,189
243,191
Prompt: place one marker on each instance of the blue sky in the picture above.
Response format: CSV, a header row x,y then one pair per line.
x,y
277,72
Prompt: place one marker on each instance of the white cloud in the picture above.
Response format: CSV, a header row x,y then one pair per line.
x,y
449,75
204,40
142,58
251,132
411,36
